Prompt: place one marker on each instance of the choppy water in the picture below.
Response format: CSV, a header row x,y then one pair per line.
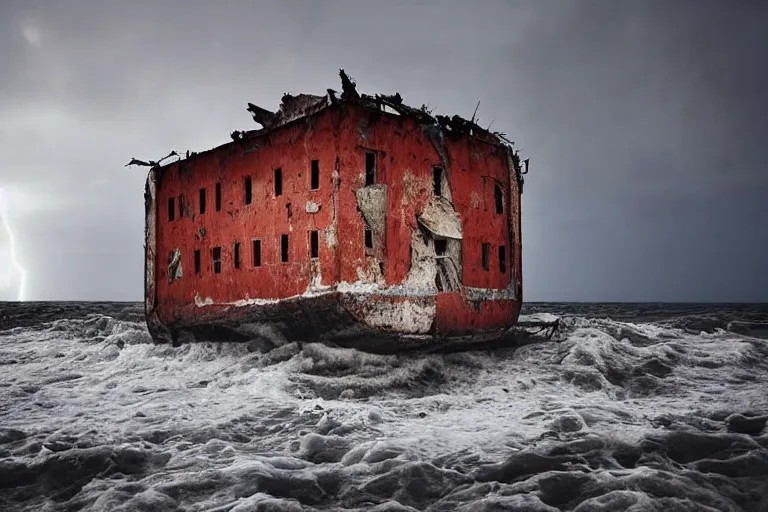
x,y
635,407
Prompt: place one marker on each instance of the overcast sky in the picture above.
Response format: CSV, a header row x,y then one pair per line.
x,y
646,124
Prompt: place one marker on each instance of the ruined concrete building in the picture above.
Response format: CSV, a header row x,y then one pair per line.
x,y
345,218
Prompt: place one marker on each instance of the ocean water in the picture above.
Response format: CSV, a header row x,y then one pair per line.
x,y
628,407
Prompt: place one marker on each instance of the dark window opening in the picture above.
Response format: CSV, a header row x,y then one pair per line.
x,y
197,261
256,245
202,200
314,245
284,248
437,180
370,168
502,259
499,198
216,260
248,190
236,255
486,256
368,239
315,175
171,209
218,197
440,247
278,182
181,205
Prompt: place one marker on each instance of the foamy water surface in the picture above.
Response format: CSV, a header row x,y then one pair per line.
x,y
629,408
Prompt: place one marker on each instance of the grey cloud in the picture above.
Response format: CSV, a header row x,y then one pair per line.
x,y
645,122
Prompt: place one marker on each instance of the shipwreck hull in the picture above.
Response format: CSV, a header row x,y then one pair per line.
x,y
369,322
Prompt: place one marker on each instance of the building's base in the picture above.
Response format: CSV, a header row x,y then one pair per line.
x,y
368,322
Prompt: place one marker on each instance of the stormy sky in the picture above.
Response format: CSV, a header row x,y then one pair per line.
x,y
646,124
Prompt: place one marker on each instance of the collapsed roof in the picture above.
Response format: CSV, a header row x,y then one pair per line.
x,y
293,107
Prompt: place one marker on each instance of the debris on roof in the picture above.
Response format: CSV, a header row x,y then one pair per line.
x,y
151,163
294,107
303,105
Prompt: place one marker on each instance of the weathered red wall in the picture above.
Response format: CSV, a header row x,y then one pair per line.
x,y
407,168
454,314
338,138
266,218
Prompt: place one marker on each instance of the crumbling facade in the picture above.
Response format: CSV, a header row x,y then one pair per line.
x,y
346,218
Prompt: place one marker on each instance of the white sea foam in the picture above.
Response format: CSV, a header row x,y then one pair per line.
x,y
611,416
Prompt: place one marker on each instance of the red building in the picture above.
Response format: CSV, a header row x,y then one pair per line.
x,y
346,218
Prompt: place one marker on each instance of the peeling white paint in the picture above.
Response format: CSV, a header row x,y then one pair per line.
x,y
174,266
507,293
200,302
372,203
362,288
330,233
475,199
421,275
150,243
330,236
252,302
441,218
408,317
357,287
315,282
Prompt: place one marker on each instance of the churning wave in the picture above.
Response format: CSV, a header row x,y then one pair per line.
x,y
629,408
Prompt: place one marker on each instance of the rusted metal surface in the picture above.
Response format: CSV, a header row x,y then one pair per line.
x,y
408,237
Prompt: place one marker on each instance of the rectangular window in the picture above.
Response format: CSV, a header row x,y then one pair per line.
x,y
314,245
368,239
499,197
171,209
278,182
218,197
284,248
370,168
315,175
236,255
216,253
440,247
437,180
197,261
202,200
486,256
502,259
248,190
181,205
256,249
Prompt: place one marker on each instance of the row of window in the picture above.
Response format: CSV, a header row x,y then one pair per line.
x,y
370,179
441,246
314,184
437,184
314,252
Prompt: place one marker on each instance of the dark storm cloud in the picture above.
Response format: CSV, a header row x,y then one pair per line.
x,y
645,122
650,142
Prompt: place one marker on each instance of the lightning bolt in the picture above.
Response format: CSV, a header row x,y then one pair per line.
x,y
4,217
